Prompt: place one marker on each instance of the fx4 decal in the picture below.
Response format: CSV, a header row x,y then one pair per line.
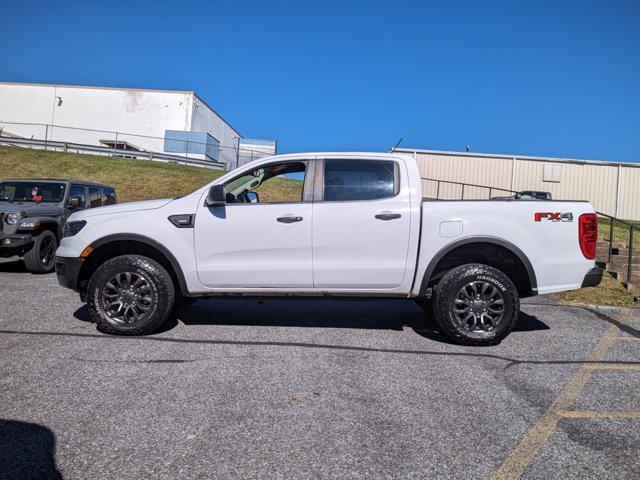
x,y
553,217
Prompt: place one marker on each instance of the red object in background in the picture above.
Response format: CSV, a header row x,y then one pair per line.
x,y
588,234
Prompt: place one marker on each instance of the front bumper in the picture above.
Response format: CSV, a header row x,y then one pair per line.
x,y
593,277
10,240
13,243
68,271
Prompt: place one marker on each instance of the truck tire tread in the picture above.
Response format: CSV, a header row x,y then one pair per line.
x,y
165,294
445,289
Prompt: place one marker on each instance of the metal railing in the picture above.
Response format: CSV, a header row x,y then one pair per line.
x,y
463,184
121,144
105,150
632,228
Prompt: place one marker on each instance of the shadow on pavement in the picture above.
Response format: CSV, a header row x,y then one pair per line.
x,y
12,266
346,313
526,323
27,451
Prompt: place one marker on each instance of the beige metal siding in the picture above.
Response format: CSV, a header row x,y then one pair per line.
x,y
577,182
596,182
495,172
630,193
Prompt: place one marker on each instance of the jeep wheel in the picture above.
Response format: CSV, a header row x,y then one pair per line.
x,y
130,295
476,305
41,257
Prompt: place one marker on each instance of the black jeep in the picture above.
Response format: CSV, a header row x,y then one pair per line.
x,y
33,214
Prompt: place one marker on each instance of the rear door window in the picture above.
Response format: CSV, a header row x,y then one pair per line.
x,y
95,199
78,191
108,197
347,180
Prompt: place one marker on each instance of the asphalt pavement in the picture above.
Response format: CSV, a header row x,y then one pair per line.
x,y
303,389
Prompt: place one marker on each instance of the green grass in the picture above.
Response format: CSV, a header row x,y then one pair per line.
x,y
610,292
133,179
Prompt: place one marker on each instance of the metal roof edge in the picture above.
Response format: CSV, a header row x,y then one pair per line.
x,y
195,95
99,87
518,157
60,180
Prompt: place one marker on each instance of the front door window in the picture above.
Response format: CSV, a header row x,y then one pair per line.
x,y
278,183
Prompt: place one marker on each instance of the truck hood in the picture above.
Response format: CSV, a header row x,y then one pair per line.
x,y
121,208
30,209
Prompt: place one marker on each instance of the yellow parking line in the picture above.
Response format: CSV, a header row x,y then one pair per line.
x,y
593,414
531,443
612,366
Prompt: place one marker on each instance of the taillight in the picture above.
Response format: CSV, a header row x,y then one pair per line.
x,y
588,234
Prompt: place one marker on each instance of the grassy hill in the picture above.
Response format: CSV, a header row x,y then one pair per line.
x,y
133,179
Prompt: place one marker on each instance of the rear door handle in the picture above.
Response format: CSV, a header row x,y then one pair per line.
x,y
289,219
387,216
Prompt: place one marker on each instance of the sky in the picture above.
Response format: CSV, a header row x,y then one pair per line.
x,y
548,78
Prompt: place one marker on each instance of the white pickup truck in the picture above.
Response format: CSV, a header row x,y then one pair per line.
x,y
328,224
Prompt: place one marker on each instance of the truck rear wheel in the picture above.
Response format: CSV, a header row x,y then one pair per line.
x,y
130,295
476,305
40,258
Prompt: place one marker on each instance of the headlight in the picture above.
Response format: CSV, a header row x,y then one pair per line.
x,y
11,218
29,223
72,228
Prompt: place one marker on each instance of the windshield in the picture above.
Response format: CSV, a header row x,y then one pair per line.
x,y
32,192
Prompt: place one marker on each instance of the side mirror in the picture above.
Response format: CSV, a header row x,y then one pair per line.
x,y
74,202
217,196
253,197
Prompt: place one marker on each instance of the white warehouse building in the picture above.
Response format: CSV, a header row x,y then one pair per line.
x,y
169,122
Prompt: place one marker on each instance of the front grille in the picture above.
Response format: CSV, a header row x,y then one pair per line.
x,y
1,222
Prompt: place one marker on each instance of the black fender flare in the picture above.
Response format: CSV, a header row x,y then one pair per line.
x,y
465,241
48,221
134,237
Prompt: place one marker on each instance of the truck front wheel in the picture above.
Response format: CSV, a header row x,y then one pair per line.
x,y
130,295
476,305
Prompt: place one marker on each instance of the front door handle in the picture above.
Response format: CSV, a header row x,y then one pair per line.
x,y
289,219
387,216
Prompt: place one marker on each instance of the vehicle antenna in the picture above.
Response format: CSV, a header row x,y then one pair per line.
x,y
397,145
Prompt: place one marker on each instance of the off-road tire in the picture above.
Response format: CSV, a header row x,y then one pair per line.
x,y
161,286
448,288
33,258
